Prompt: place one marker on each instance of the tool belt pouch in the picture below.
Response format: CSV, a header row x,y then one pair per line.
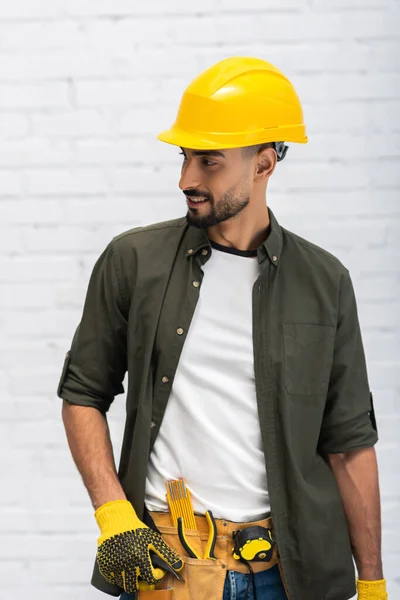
x,y
155,594
204,578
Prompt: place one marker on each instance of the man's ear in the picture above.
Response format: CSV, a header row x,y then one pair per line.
x,y
265,164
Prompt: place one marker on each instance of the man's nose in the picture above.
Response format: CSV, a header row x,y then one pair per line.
x,y
189,177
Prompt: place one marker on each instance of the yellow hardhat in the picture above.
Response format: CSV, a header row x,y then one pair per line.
x,y
240,101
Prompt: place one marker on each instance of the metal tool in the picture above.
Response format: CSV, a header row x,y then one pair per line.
x,y
159,563
212,538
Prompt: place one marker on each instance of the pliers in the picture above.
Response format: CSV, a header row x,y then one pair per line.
x,y
212,538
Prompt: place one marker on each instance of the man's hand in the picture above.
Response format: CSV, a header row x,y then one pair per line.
x,y
124,547
372,590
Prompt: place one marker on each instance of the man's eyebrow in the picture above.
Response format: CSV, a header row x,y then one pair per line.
x,y
207,153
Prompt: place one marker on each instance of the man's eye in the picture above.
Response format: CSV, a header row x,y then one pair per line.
x,y
204,161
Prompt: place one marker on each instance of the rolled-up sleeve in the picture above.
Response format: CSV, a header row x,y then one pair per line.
x,y
95,365
349,421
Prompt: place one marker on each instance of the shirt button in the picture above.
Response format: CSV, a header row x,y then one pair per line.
x,y
179,331
153,424
165,379
204,252
196,283
190,251
274,258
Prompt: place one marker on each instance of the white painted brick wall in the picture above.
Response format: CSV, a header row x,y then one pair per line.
x,y
85,86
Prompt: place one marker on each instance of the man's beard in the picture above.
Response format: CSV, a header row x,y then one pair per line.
x,y
229,206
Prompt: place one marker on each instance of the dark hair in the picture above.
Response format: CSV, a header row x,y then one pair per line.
x,y
279,147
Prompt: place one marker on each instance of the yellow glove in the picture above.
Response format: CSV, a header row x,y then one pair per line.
x,y
372,590
124,546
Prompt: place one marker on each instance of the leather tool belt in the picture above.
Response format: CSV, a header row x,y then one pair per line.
x,y
204,578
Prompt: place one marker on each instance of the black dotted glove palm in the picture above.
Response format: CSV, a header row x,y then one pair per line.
x,y
125,547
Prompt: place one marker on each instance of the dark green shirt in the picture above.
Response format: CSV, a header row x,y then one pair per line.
x,y
311,382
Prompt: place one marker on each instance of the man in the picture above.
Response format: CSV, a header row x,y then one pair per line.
x,y
247,374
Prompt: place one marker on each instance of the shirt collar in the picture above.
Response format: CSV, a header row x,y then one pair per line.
x,y
197,240
273,244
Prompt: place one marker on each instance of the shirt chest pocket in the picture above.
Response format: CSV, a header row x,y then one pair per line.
x,y
308,351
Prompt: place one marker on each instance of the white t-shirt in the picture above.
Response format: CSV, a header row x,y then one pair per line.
x,y
210,433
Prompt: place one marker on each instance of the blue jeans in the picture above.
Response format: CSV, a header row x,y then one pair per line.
x,y
268,583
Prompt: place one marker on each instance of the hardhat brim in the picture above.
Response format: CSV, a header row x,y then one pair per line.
x,y
197,140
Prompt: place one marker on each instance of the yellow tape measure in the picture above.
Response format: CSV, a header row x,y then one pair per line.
x,y
253,544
